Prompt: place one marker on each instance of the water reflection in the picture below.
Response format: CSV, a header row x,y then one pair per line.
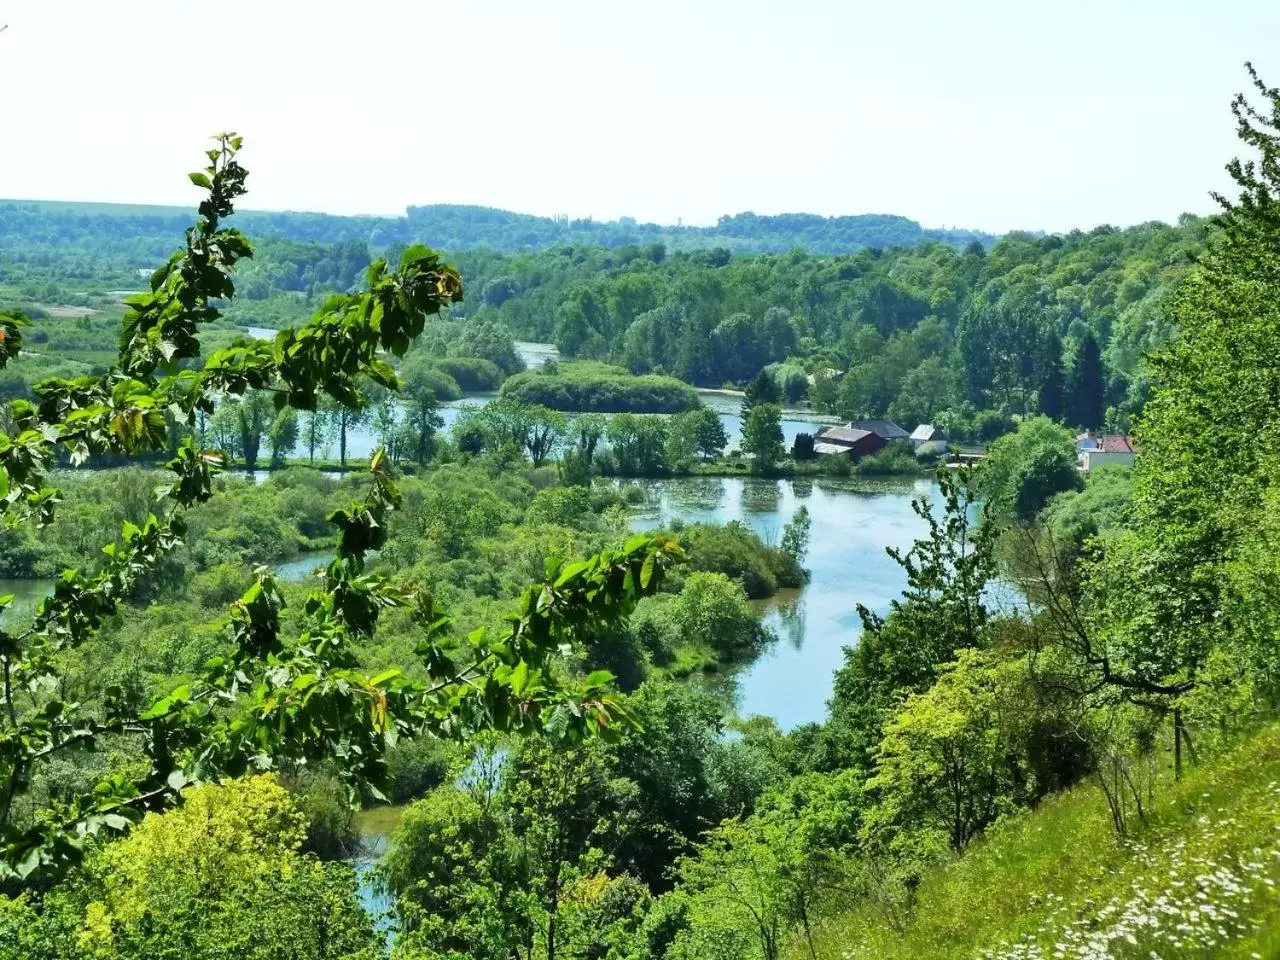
x,y
787,613
27,595
761,497
852,524
699,494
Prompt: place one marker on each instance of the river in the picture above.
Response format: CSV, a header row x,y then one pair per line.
x,y
852,523
362,442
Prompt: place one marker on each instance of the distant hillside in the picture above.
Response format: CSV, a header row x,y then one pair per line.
x,y
148,232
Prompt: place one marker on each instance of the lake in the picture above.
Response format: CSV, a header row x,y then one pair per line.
x,y
361,441
26,595
852,523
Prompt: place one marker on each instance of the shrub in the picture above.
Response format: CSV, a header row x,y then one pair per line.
x,y
893,459
415,768
599,388
473,374
802,447
738,553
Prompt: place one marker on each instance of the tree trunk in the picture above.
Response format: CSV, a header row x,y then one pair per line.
x,y
1177,743
342,437
804,920
552,902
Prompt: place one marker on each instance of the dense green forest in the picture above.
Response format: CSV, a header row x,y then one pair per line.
x,y
966,336
1088,770
121,235
1056,324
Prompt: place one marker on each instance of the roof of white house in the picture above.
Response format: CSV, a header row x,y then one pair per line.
x,y
927,431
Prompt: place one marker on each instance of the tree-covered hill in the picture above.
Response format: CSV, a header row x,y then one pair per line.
x,y
923,333
146,231
916,328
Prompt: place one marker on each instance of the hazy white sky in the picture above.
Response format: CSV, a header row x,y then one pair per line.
x,y
1043,114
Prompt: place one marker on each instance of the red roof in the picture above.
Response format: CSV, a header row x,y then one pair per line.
x,y
1115,443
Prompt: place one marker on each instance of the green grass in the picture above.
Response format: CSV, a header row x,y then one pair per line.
x,y
1202,880
690,659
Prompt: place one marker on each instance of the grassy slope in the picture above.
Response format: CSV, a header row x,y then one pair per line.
x,y
1200,881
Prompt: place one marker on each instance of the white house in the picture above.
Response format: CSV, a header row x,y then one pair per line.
x,y
1111,450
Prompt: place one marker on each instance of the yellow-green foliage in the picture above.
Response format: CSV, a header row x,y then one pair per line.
x,y
1057,882
220,877
221,838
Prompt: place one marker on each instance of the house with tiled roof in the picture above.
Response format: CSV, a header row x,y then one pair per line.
x,y
1108,450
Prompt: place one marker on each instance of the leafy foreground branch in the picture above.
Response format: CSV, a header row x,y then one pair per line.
x,y
270,700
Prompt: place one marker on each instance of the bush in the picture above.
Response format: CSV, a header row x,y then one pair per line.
x,y
738,553
423,374
416,767
221,876
624,654
599,388
473,374
322,799
562,506
895,458
221,585
989,425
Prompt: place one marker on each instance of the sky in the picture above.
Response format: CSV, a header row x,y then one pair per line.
x,y
1025,114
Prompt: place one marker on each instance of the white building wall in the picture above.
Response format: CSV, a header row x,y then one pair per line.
x,y
1091,459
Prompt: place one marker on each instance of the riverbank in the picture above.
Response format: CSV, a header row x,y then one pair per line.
x,y
788,679
733,465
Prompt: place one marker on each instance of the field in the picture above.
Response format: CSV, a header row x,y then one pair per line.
x,y
1198,881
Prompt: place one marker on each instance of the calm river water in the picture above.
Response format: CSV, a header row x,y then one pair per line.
x,y
361,441
852,522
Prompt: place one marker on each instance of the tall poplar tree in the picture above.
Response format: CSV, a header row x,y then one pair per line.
x,y
1086,401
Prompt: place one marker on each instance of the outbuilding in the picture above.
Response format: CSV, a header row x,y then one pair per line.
x,y
847,440
886,430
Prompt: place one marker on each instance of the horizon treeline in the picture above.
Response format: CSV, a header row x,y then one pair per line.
x,y
967,335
